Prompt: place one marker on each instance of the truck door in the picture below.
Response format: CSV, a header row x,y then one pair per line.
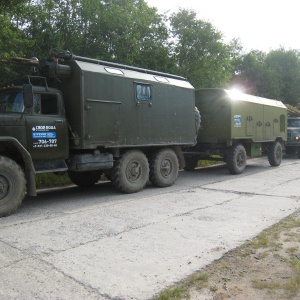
x,y
258,118
47,130
12,116
272,122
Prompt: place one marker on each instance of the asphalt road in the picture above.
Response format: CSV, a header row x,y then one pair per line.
x,y
70,243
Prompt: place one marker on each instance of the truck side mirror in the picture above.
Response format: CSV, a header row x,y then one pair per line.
x,y
28,95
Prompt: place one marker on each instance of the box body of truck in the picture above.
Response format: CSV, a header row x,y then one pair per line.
x,y
114,107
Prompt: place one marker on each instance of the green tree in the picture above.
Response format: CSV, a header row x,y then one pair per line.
x,y
274,75
12,39
47,24
200,53
286,64
126,31
13,42
254,77
7,6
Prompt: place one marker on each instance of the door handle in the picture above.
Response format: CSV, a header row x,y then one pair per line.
x,y
59,121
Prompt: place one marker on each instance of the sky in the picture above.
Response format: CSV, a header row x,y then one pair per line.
x,y
259,24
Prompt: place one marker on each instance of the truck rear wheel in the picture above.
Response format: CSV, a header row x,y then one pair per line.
x,y
236,159
84,179
12,186
164,168
275,154
131,172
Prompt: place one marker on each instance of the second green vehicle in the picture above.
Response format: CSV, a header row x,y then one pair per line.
x,y
235,126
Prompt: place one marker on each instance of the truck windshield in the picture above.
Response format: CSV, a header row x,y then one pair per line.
x,y
294,123
11,101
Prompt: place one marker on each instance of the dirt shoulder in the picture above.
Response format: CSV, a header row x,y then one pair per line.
x,y
267,267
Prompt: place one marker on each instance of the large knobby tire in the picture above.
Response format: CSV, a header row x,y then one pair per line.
x,y
131,172
298,152
190,163
85,179
164,168
12,186
236,159
275,154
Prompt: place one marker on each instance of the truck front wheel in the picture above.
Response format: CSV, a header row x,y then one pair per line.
x,y
236,159
131,172
12,186
275,154
84,179
164,168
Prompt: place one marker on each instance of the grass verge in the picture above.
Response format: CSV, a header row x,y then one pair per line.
x,y
267,267
50,180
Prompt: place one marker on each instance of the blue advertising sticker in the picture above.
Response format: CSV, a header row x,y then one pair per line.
x,y
38,135
237,121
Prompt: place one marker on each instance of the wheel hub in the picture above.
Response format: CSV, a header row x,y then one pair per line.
x,y
133,171
166,168
240,160
278,154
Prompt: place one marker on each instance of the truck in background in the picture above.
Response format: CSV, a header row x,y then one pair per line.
x,y
293,136
293,131
235,125
87,117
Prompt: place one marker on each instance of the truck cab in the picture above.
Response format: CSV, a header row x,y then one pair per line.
x,y
293,136
41,129
33,139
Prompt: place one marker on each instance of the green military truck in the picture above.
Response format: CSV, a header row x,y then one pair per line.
x,y
236,125
293,135
90,117
292,145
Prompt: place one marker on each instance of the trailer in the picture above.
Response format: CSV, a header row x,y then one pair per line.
x,y
235,126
